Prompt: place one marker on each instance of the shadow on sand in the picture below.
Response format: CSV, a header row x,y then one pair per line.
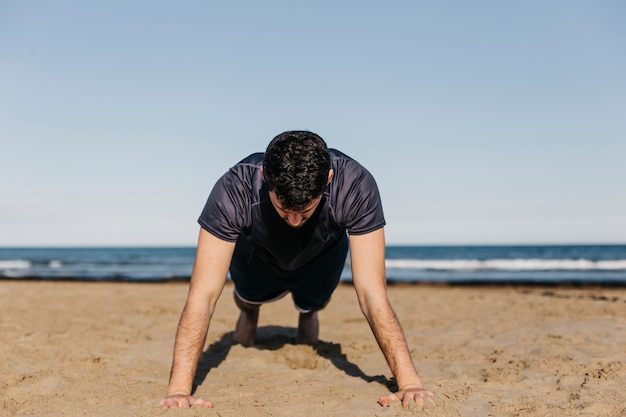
x,y
274,338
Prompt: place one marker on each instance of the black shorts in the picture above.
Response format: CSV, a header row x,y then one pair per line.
x,y
310,287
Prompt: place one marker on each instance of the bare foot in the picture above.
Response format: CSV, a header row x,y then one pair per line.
x,y
245,329
308,328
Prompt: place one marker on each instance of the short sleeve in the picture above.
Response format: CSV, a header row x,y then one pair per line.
x,y
358,203
227,210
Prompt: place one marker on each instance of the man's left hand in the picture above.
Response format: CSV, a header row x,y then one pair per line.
x,y
407,396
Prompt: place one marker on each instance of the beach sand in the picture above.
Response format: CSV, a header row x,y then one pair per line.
x,y
104,349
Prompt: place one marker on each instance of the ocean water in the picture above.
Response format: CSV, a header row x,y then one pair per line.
x,y
594,264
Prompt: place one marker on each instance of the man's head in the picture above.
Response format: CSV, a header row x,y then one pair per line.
x,y
296,168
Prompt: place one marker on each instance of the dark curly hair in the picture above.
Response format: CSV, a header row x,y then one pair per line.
x,y
295,167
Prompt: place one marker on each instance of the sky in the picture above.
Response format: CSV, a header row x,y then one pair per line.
x,y
483,122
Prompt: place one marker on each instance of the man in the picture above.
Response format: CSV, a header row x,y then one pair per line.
x,y
282,222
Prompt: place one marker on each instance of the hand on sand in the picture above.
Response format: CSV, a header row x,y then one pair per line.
x,y
406,396
183,401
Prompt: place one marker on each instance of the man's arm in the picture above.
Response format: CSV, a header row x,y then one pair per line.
x,y
367,256
210,268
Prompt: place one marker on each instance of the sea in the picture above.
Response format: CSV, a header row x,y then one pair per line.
x,y
523,264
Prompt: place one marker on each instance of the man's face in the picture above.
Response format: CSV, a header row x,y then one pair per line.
x,y
294,218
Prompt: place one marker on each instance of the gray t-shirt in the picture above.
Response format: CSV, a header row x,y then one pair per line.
x,y
239,210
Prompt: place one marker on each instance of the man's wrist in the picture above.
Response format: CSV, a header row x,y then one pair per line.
x,y
173,392
409,383
409,386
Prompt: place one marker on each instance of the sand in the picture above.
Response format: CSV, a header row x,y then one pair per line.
x,y
104,349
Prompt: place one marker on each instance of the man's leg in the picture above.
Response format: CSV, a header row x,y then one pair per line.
x,y
316,285
245,329
308,328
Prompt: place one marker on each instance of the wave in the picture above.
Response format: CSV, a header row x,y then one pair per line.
x,y
507,264
23,264
15,264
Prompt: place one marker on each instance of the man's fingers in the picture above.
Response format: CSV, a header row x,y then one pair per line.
x,y
202,403
406,400
406,397
182,401
179,403
384,401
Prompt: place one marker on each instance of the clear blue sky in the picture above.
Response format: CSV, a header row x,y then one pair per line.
x,y
483,122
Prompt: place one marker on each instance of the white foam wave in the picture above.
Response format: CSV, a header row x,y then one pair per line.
x,y
55,264
15,264
508,264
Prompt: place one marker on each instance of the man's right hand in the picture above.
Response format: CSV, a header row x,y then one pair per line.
x,y
183,401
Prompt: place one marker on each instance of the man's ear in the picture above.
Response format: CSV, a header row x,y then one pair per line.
x,y
330,175
262,174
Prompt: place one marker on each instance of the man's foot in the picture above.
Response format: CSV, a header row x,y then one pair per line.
x,y
308,328
245,329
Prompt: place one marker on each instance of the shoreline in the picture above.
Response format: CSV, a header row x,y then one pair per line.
x,y
390,282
